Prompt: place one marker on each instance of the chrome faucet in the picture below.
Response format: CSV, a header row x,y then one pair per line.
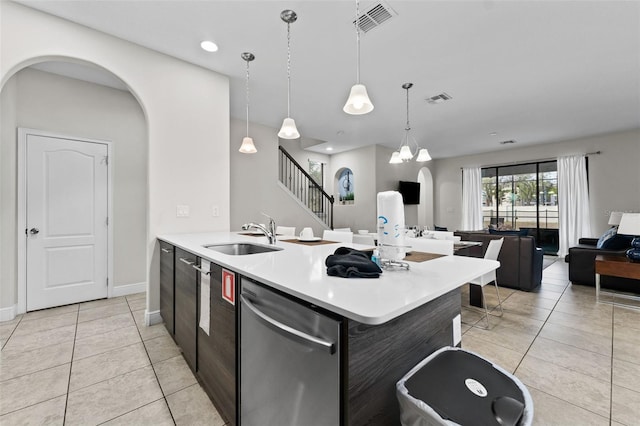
x,y
270,233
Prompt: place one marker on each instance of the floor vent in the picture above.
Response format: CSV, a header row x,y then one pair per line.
x,y
374,16
438,99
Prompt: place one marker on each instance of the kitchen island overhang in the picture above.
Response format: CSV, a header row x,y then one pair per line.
x,y
299,270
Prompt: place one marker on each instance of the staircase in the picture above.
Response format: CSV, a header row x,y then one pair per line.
x,y
306,190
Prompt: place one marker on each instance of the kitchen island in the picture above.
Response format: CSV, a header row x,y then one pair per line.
x,y
387,325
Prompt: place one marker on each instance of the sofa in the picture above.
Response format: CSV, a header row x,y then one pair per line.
x,y
520,259
581,259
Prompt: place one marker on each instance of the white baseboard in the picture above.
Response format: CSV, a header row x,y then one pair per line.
x,y
152,318
7,314
124,290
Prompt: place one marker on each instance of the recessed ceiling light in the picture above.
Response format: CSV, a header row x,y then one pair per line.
x,y
493,134
209,46
329,148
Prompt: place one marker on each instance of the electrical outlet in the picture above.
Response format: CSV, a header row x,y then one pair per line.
x,y
182,211
215,211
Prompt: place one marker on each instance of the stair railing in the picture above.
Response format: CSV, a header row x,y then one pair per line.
x,y
304,187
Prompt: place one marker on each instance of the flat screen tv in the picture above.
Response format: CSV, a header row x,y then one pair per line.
x,y
410,192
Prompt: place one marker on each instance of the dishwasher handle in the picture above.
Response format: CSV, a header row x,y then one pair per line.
x,y
287,331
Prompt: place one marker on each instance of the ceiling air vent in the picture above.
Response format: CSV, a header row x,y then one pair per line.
x,y
438,99
507,142
374,16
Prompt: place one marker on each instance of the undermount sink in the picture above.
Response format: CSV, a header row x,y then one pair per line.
x,y
241,249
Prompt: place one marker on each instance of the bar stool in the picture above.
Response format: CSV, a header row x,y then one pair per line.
x,y
493,250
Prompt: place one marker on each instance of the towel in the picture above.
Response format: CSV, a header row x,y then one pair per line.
x,y
205,299
391,225
346,262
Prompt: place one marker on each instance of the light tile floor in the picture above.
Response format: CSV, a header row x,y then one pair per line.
x,y
579,359
96,362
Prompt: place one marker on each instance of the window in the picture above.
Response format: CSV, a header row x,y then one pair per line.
x,y
523,197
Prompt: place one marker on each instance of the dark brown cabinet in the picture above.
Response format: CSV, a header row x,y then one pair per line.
x,y
217,350
167,280
186,305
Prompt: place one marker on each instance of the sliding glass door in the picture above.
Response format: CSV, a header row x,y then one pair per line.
x,y
523,197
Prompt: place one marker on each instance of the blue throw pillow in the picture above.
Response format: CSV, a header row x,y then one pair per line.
x,y
611,232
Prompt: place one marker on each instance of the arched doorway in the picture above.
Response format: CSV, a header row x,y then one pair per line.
x,y
77,98
425,208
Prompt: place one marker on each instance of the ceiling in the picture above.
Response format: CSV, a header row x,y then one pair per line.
x,y
530,71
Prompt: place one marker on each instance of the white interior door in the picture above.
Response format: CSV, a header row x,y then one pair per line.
x,y
66,221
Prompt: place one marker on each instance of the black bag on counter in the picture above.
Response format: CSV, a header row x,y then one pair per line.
x,y
346,262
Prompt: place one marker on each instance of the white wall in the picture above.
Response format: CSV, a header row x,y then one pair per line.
x,y
362,213
614,181
187,111
254,179
76,108
8,262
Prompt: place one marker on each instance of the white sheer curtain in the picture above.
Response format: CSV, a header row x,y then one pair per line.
x,y
471,199
574,221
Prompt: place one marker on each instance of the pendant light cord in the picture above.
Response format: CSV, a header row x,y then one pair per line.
x,y
288,69
247,98
408,127
357,42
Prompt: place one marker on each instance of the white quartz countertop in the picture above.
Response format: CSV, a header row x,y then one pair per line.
x,y
300,271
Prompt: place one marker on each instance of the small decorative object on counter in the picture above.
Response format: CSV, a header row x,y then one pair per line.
x,y
375,257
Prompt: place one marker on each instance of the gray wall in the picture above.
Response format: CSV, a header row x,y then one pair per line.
x,y
254,180
614,181
52,103
362,213
388,175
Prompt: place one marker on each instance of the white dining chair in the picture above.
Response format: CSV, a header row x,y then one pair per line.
x,y
364,239
286,230
338,236
428,245
342,229
493,250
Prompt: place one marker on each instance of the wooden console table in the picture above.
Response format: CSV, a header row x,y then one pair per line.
x,y
616,266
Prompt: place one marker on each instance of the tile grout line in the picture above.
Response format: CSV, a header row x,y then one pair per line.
x,y
568,402
13,331
543,324
613,329
66,401
164,396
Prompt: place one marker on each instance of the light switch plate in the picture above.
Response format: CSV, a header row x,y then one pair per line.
x,y
182,210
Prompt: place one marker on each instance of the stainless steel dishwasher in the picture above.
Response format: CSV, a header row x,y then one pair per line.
x,y
289,361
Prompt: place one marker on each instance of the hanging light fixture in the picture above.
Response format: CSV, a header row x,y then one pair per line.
x,y
247,143
288,129
358,102
404,153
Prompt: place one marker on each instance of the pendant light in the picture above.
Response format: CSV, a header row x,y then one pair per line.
x,y
247,143
288,129
358,102
404,153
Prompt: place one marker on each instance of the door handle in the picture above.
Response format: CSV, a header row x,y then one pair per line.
x,y
34,231
287,331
